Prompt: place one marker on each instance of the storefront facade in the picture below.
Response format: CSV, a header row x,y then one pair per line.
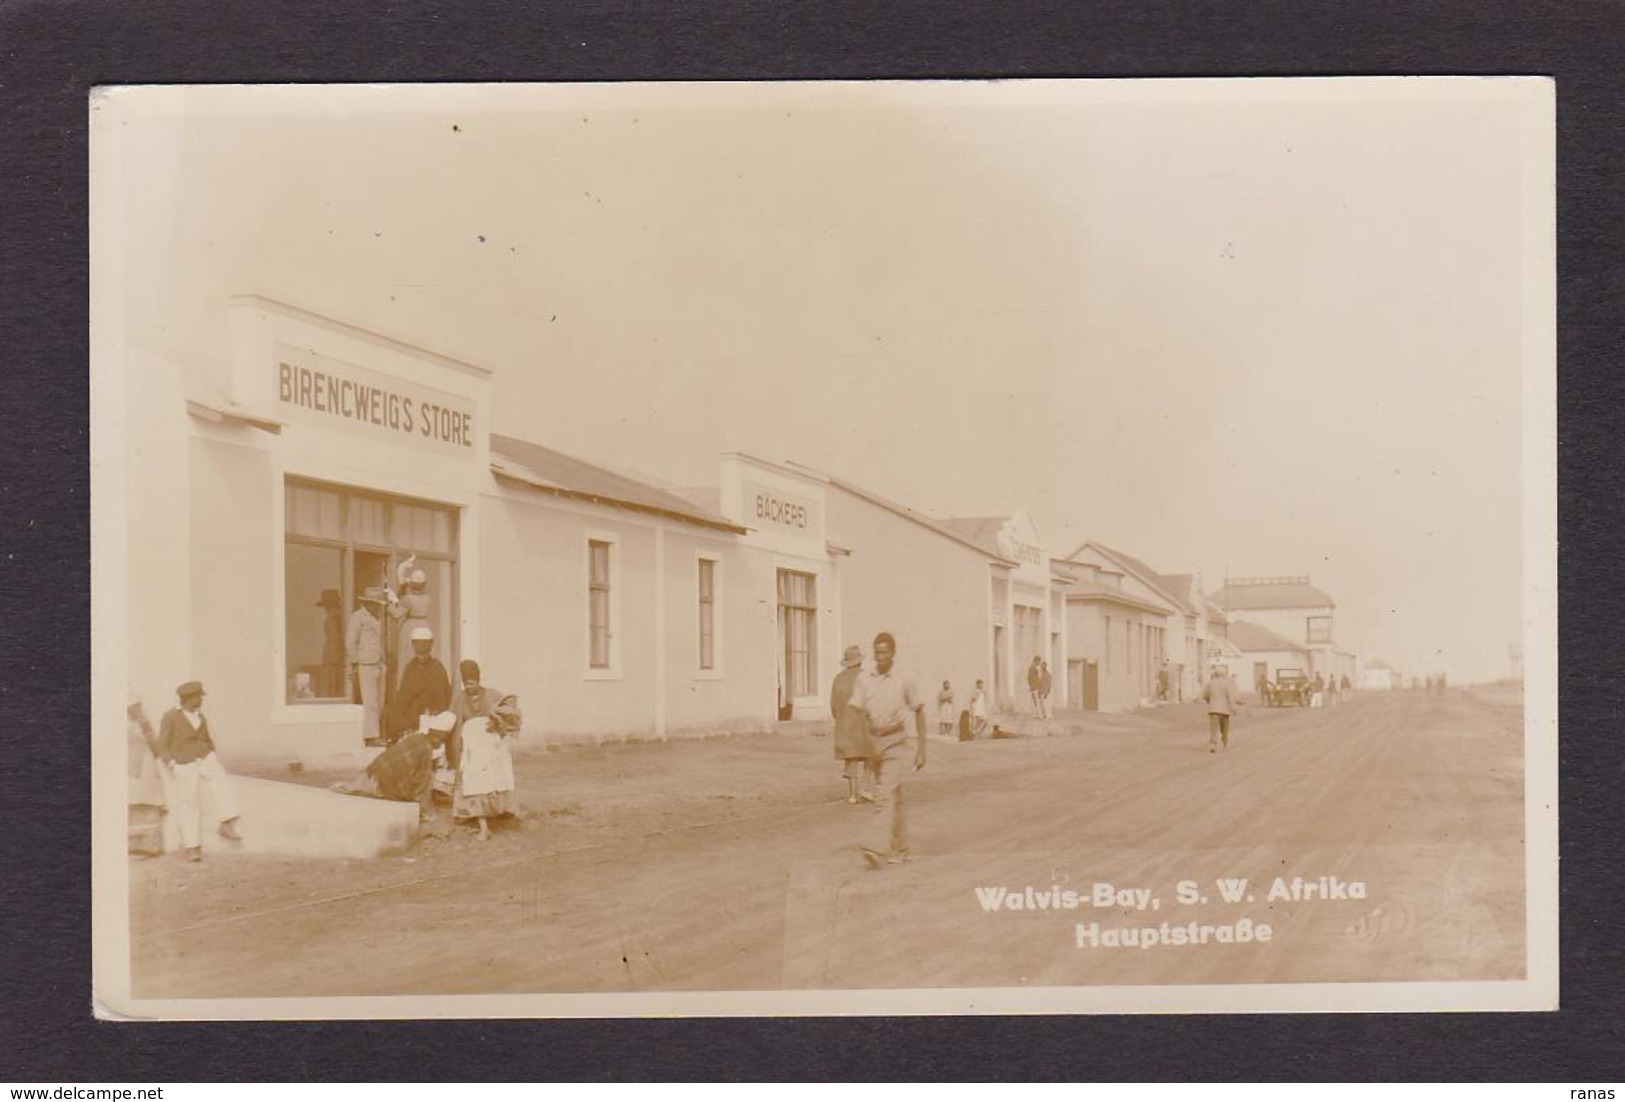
x,y
1119,636
268,491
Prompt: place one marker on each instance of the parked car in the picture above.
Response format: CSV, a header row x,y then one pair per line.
x,y
1290,687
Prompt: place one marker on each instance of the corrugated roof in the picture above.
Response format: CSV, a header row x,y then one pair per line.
x,y
565,475
1252,637
982,531
1160,583
903,511
1270,593
1088,591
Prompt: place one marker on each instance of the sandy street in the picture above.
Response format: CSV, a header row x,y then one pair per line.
x,y
731,863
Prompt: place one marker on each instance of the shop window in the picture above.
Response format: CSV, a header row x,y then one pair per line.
x,y
798,628
337,544
599,604
708,613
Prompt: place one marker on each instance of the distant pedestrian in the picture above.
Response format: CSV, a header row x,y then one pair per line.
x,y
1162,682
1317,691
891,700
1220,695
186,747
1345,685
1046,685
854,749
978,710
1035,681
945,710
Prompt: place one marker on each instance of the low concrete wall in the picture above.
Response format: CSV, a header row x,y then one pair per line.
x,y
293,820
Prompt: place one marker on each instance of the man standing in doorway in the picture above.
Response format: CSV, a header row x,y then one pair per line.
x,y
1046,682
1035,681
187,748
890,700
425,688
364,650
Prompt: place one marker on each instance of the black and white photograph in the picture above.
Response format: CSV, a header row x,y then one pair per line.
x,y
895,547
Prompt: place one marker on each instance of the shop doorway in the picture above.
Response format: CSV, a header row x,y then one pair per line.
x,y
798,639
1089,686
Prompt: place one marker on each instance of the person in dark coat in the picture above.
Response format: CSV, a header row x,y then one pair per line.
x,y
425,687
853,744
331,682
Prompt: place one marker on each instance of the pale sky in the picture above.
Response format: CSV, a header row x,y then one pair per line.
x,y
1269,328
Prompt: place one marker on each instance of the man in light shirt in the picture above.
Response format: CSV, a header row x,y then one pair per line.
x,y
892,701
187,748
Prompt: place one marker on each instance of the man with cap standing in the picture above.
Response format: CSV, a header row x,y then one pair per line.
x,y
187,748
853,747
364,650
425,687
890,700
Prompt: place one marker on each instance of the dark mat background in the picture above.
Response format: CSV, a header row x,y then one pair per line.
x,y
51,53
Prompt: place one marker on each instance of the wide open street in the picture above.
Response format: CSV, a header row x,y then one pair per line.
x,y
731,863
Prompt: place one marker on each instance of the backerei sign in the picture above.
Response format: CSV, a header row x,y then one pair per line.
x,y
314,390
767,507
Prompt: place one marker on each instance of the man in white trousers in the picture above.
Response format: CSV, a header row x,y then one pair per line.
x,y
186,746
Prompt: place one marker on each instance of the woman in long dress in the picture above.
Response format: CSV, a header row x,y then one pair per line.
x,y
486,720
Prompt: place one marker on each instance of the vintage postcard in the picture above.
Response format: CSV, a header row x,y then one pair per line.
x,y
824,548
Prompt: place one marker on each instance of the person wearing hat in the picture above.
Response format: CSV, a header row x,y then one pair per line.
x,y
853,746
364,653
330,684
411,606
1222,703
186,746
424,690
405,770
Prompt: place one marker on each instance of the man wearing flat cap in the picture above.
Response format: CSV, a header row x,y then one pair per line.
x,y
364,651
425,687
186,746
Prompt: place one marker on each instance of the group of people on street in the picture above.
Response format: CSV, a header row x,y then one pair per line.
x,y
460,740
365,653
466,740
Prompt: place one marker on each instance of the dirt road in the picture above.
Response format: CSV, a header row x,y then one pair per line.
x,y
731,863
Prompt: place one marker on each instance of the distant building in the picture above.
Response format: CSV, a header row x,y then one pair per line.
x,y
1120,623
1193,623
1379,675
1293,609
1262,653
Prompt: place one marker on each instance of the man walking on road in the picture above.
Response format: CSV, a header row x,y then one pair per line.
x,y
1220,695
890,699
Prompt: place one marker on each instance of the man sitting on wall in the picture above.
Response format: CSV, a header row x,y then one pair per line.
x,y
425,687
